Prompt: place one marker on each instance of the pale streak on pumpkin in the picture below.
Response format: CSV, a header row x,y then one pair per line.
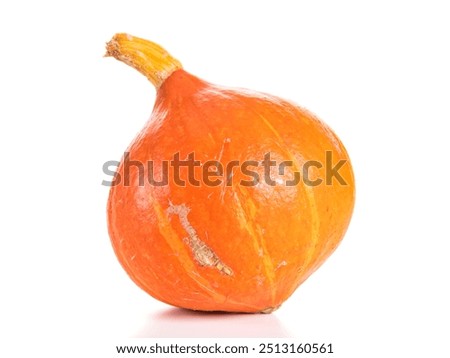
x,y
203,254
225,142
309,196
246,218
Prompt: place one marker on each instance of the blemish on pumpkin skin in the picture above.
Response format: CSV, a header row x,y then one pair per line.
x,y
225,141
260,280
270,309
203,254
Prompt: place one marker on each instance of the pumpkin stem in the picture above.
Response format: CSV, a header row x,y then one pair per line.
x,y
147,57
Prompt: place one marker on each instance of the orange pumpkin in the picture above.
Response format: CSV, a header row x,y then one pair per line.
x,y
228,199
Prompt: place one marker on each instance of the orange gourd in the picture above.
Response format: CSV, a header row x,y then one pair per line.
x,y
202,213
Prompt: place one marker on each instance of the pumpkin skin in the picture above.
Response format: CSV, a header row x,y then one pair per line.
x,y
226,247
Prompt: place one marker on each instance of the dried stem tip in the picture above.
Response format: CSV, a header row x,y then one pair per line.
x,y
145,56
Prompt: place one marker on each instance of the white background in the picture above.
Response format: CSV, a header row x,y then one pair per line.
x,y
377,73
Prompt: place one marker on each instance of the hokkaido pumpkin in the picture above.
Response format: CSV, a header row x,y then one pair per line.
x,y
228,199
